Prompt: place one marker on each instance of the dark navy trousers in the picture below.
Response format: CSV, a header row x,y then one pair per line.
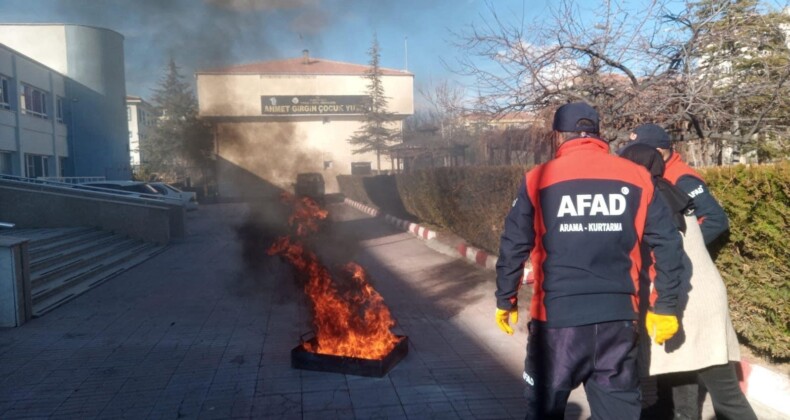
x,y
601,356
680,396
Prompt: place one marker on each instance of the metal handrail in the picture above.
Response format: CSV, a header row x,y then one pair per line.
x,y
88,188
72,179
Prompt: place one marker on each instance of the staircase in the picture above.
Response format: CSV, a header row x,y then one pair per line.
x,y
66,262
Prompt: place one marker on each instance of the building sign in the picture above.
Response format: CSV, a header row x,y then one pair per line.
x,y
313,105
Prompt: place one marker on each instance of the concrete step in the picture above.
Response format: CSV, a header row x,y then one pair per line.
x,y
40,278
42,248
40,235
58,256
66,288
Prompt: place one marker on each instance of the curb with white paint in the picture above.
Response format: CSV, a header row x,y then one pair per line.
x,y
766,387
759,383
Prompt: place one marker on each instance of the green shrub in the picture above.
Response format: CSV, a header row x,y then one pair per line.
x,y
754,261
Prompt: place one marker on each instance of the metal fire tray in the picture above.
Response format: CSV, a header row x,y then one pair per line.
x,y
307,360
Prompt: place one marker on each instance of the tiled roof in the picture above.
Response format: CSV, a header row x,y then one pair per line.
x,y
298,66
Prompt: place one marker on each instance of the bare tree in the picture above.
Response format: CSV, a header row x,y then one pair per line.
x,y
635,66
608,59
737,68
447,103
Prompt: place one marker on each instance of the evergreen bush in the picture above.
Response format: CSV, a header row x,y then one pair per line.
x,y
754,261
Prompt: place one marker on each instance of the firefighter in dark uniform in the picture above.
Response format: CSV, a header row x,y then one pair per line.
x,y
713,221
582,218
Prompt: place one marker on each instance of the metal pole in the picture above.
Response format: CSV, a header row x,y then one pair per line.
x,y
406,53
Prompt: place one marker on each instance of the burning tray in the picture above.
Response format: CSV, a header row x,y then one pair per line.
x,y
307,360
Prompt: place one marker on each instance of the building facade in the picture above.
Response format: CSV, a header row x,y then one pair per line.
x,y
275,119
33,130
90,62
141,117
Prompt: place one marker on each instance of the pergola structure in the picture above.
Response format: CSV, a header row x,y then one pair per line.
x,y
417,154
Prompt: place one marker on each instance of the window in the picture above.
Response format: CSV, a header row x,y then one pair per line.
x,y
128,113
36,166
360,168
59,109
4,94
33,101
5,163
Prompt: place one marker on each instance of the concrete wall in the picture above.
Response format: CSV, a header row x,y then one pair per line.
x,y
33,205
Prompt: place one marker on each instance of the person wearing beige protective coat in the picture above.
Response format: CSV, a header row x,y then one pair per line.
x,y
706,343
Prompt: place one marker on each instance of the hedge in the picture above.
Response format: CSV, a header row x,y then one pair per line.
x,y
473,201
754,261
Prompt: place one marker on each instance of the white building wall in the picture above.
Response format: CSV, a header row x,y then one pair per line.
x,y
6,63
21,133
240,95
44,43
134,134
252,147
93,61
140,117
7,132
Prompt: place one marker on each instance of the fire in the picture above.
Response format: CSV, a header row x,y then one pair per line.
x,y
305,216
350,317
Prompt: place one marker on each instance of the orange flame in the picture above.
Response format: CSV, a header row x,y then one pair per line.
x,y
306,214
350,317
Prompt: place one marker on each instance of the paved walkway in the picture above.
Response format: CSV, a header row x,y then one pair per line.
x,y
200,331
196,332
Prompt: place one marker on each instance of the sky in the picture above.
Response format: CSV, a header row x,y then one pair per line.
x,y
205,34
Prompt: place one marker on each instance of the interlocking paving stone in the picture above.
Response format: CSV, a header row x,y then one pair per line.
x,y
374,395
380,412
279,386
488,408
326,400
421,394
286,404
334,414
323,381
466,391
430,410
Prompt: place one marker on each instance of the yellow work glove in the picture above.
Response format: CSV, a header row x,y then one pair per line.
x,y
661,327
505,317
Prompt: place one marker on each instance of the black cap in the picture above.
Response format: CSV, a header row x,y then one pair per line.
x,y
652,135
577,116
